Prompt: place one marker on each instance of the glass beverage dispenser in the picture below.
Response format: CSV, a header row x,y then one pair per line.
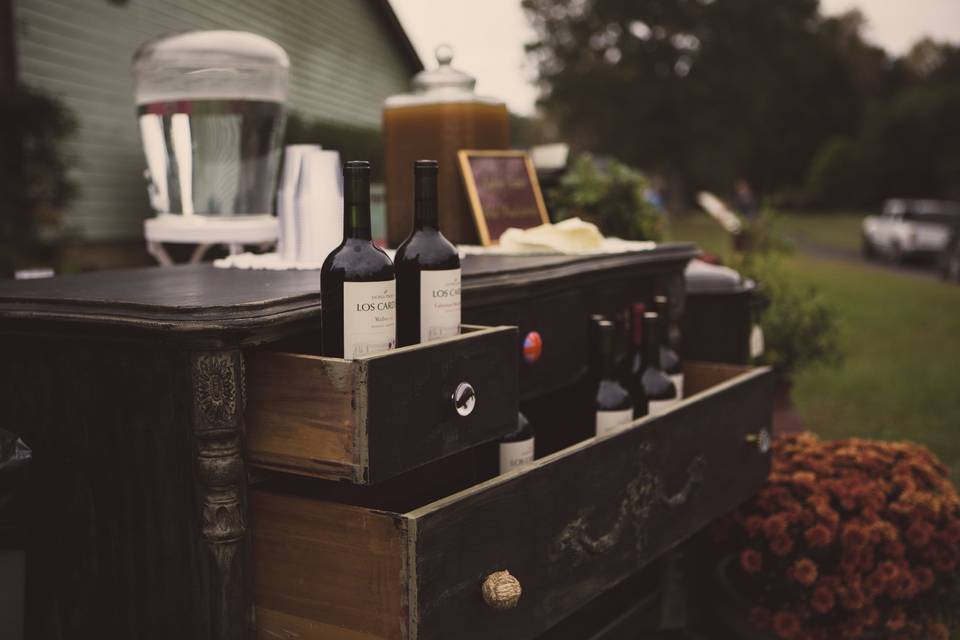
x,y
211,107
440,117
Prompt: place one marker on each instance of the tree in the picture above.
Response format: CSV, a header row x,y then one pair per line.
x,y
702,91
33,169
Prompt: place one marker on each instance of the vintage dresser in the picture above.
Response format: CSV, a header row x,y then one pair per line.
x,y
201,473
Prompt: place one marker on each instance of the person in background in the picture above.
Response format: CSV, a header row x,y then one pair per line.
x,y
653,194
743,201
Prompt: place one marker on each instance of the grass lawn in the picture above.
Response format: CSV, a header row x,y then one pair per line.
x,y
900,379
838,230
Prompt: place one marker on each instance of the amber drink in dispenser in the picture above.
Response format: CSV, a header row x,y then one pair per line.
x,y
442,116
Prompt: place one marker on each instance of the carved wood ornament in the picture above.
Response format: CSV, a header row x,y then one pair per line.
x,y
218,404
643,496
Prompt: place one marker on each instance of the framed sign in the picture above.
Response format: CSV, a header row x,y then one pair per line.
x,y
503,191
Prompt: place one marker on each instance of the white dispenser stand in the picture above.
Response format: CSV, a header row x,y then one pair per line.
x,y
207,231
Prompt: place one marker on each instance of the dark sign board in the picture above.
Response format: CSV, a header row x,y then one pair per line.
x,y
503,191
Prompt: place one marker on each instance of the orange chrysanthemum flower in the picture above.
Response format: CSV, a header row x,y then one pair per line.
x,y
945,562
894,550
919,533
818,536
823,599
924,576
781,546
853,599
751,560
854,536
786,625
804,571
938,631
753,525
896,620
774,527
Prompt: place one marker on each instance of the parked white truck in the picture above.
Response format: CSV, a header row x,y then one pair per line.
x,y
909,228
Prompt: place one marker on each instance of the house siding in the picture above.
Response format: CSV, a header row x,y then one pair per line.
x,y
344,62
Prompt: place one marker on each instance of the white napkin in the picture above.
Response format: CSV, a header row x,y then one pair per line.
x,y
568,237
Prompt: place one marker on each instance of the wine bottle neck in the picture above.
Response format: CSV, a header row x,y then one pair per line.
x,y
636,330
425,215
663,314
356,204
651,341
606,353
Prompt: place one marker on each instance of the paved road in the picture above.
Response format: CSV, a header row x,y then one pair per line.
x,y
926,271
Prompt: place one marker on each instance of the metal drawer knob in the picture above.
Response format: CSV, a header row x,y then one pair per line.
x,y
761,439
464,399
501,590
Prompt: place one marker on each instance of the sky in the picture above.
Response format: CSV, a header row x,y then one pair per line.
x,y
488,36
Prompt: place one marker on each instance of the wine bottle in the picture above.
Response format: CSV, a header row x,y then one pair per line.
x,y
357,284
595,362
633,376
428,269
669,360
516,448
657,386
613,405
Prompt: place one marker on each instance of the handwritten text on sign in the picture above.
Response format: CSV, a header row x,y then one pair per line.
x,y
503,192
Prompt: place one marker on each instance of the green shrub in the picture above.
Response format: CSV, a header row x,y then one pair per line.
x,y
33,173
799,326
609,194
840,175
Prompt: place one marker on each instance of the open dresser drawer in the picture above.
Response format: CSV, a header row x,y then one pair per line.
x,y
375,417
372,563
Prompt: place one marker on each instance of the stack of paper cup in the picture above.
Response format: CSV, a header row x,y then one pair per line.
x,y
309,205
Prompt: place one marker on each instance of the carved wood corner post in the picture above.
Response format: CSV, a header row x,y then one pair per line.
x,y
219,394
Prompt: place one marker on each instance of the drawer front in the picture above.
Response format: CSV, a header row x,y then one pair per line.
x,y
569,527
552,344
581,521
410,410
373,418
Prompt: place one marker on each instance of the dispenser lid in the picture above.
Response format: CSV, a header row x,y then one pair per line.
x,y
207,48
445,75
704,278
211,65
445,83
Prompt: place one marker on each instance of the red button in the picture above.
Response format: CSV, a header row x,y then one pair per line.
x,y
532,347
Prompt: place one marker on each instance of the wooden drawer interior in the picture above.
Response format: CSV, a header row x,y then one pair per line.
x,y
373,418
406,558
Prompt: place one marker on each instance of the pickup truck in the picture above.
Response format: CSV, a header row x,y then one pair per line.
x,y
909,228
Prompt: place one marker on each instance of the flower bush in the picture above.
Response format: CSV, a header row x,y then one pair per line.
x,y
849,539
609,194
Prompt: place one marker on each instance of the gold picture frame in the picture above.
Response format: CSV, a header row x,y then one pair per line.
x,y
476,201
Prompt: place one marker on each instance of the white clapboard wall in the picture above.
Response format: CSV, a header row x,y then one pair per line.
x,y
345,60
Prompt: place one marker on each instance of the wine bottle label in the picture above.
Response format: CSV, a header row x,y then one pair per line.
x,y
659,406
515,454
677,380
610,421
439,304
369,317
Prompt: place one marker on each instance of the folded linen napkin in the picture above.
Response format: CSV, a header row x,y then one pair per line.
x,y
572,237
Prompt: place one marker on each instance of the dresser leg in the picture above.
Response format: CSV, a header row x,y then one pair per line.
x,y
218,390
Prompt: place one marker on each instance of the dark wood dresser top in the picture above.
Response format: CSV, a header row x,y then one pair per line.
x,y
202,298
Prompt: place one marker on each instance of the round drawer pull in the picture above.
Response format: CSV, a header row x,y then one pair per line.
x,y
501,590
464,399
761,439
532,347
